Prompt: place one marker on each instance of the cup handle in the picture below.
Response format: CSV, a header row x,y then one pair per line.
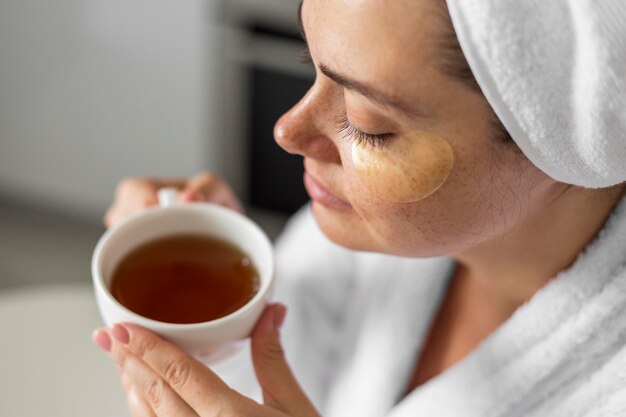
x,y
167,196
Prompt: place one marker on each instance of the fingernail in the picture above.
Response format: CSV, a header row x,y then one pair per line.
x,y
120,333
279,315
102,339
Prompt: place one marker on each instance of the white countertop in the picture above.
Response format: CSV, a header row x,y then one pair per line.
x,y
48,363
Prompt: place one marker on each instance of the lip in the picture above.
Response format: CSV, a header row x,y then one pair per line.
x,y
320,194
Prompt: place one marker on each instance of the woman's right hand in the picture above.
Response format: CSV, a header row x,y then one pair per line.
x,y
135,194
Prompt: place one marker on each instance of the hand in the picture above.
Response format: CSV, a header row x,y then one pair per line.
x,y
161,380
135,194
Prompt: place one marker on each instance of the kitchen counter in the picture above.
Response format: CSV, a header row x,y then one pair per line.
x,y
49,367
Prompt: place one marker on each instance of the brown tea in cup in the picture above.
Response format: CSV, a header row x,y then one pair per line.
x,y
185,279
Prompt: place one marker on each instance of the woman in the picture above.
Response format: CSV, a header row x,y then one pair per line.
x,y
493,291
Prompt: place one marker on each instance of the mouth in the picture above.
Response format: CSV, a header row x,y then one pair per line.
x,y
320,193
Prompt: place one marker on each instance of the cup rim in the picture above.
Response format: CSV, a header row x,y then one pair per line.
x,y
98,278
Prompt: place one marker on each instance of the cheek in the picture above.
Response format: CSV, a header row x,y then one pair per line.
x,y
400,194
477,195
405,170
419,208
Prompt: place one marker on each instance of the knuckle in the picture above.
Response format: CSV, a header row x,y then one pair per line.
x,y
154,392
177,373
272,352
145,345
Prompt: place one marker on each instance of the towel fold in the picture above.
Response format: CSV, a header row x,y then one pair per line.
x,y
555,74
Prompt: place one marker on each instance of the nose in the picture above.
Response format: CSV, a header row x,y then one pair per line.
x,y
302,129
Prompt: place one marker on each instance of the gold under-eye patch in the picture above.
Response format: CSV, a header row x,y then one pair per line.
x,y
406,169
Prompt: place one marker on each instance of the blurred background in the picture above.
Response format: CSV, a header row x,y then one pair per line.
x,y
92,91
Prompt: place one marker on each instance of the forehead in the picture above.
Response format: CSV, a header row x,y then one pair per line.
x,y
394,42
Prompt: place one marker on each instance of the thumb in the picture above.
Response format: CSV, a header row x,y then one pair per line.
x,y
280,388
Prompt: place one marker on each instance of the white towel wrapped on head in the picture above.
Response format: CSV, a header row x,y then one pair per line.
x,y
554,72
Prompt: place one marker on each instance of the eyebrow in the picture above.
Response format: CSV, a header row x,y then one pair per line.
x,y
362,88
367,91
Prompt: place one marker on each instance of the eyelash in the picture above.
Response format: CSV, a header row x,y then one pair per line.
x,y
304,57
350,132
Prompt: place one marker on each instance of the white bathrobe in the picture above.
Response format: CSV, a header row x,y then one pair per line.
x,y
356,323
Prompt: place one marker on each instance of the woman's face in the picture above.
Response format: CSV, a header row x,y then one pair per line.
x,y
379,72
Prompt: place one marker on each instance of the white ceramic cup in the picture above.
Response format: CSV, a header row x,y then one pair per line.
x,y
207,341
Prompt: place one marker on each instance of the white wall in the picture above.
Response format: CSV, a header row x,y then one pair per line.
x,y
95,90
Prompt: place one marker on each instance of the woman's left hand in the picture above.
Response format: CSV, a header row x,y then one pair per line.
x,y
162,380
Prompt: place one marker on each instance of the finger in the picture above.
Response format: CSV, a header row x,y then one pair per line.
x,y
135,194
196,384
131,195
280,388
137,405
152,395
209,187
191,196
157,394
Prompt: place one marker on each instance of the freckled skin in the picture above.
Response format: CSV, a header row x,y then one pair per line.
x,y
405,170
393,45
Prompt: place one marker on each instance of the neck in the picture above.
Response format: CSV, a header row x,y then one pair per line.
x,y
505,272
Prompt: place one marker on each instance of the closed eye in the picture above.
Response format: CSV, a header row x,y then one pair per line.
x,y
354,134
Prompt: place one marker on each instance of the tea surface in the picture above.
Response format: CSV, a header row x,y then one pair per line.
x,y
185,279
